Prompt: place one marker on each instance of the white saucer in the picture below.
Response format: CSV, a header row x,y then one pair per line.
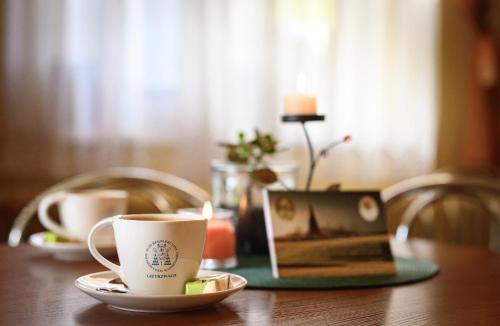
x,y
154,303
69,250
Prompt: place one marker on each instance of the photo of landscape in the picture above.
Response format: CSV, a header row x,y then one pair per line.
x,y
325,234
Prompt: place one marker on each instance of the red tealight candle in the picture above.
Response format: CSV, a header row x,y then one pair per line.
x,y
221,237
220,243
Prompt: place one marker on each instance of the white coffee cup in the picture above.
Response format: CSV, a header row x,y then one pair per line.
x,y
158,252
79,211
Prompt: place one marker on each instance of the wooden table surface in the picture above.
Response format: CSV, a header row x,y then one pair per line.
x,y
37,290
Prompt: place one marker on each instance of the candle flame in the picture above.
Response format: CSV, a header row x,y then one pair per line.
x,y
301,83
207,211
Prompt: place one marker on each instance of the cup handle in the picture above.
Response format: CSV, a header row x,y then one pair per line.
x,y
46,220
93,250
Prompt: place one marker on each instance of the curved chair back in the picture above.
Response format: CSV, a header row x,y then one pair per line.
x,y
424,191
165,191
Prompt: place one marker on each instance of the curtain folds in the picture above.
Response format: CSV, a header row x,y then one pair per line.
x,y
93,83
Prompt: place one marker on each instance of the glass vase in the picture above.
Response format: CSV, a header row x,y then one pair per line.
x,y
233,188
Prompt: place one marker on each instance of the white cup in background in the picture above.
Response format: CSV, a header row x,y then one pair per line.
x,y
79,211
158,252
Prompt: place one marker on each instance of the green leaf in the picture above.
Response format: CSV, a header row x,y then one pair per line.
x,y
250,151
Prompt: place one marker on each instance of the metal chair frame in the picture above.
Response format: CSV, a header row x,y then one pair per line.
x,y
150,180
436,186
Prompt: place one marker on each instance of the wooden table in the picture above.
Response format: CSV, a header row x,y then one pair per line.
x,y
37,290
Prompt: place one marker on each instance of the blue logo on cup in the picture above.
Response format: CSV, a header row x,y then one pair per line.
x,y
161,255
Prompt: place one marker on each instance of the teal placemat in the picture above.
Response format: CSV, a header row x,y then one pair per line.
x,y
257,270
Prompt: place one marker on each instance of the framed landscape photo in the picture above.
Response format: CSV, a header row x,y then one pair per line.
x,y
327,234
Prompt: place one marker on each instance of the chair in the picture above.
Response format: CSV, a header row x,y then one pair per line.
x,y
422,192
165,191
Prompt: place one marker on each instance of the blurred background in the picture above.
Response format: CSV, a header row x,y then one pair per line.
x,y
93,84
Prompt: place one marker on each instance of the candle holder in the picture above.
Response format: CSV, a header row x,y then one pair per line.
x,y
303,118
313,159
220,247
220,244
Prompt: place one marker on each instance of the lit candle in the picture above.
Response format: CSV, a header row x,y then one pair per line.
x,y
221,238
300,104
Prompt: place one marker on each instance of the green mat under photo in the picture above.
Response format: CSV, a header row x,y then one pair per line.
x,y
257,270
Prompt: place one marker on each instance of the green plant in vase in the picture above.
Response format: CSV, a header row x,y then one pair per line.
x,y
252,153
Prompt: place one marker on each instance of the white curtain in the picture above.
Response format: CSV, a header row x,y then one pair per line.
x,y
94,83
